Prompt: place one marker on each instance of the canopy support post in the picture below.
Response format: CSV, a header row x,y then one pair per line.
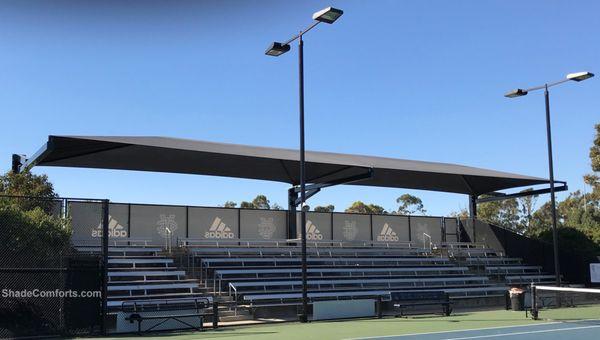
x,y
473,206
292,198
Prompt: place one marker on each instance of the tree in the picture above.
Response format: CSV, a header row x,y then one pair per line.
x,y
503,213
526,209
462,213
27,224
259,202
326,209
410,204
247,205
362,208
580,211
230,204
37,188
595,150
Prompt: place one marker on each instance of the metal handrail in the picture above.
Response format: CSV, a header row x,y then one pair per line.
x,y
430,241
168,239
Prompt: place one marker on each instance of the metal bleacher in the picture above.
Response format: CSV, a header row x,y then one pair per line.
x,y
504,270
140,274
268,273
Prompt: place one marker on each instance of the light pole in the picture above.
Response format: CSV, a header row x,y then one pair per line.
x,y
328,15
580,76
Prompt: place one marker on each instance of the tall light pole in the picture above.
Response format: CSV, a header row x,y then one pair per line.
x,y
580,76
328,15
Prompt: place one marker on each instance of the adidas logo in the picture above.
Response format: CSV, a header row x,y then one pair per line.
x,y
312,233
218,229
115,229
387,234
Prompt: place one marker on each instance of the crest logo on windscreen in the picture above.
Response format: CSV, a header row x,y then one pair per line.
x,y
422,229
115,229
266,227
166,225
349,230
387,234
219,229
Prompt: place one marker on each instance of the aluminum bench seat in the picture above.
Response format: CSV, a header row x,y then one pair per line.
x,y
493,260
325,276
160,301
145,273
138,268
332,266
462,245
163,301
513,269
150,282
454,293
529,278
209,262
474,252
481,279
240,288
126,249
320,252
143,260
140,297
389,287
282,243
163,262
152,286
415,270
224,276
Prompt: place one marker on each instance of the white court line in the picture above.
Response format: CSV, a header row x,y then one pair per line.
x,y
522,333
454,331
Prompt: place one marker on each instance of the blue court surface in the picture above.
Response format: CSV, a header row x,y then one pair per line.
x,y
581,330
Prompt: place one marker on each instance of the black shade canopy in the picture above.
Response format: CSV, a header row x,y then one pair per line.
x,y
273,164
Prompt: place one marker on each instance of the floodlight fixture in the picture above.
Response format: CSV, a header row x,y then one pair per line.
x,y
328,15
579,76
516,93
276,49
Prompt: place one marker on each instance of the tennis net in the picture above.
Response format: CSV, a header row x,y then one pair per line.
x,y
565,303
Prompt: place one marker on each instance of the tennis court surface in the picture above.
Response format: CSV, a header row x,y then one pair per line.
x,y
564,323
584,330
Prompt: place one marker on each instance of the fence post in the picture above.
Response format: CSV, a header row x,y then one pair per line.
x,y
104,264
215,307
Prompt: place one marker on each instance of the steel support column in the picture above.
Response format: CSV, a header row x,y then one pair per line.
x,y
472,206
292,229
552,190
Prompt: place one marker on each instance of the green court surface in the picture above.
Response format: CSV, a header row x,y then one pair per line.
x,y
352,329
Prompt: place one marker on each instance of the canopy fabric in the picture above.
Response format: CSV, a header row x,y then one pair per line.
x,y
185,156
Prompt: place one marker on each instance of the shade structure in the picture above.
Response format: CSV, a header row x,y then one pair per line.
x,y
185,156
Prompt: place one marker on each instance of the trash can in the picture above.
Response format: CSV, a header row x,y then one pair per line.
x,y
517,299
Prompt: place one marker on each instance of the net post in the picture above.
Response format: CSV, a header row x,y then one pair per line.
x,y
534,308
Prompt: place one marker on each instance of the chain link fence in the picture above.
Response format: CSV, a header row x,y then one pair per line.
x,y
47,285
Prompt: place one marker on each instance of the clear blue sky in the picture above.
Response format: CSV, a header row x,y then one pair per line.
x,y
408,79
